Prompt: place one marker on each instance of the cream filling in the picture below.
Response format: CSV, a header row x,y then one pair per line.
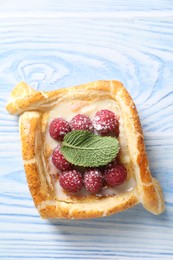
x,y
106,191
67,110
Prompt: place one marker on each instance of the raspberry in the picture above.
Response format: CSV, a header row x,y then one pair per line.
x,y
93,180
116,175
59,160
71,181
81,122
59,128
111,164
106,122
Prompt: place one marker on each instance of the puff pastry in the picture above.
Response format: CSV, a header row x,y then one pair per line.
x,y
35,109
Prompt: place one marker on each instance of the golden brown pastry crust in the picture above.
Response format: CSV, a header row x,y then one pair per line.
x,y
31,104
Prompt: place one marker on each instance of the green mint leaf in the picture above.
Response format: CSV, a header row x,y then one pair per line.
x,y
83,148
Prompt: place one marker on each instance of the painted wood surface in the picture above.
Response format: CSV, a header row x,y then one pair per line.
x,y
53,44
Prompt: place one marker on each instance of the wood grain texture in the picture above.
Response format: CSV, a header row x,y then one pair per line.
x,y
49,46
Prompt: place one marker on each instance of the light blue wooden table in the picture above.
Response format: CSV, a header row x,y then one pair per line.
x,y
52,44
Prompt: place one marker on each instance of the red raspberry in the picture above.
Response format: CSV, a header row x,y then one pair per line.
x,y
59,160
59,128
106,122
71,181
81,122
116,175
93,180
111,164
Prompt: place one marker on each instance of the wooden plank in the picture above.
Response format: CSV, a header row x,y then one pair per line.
x,y
78,6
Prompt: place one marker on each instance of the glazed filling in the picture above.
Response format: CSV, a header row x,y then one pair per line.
x,y
101,118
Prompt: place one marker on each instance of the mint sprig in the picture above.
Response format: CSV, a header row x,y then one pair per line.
x,y
83,148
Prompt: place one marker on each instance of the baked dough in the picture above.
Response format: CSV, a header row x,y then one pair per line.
x,y
32,107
